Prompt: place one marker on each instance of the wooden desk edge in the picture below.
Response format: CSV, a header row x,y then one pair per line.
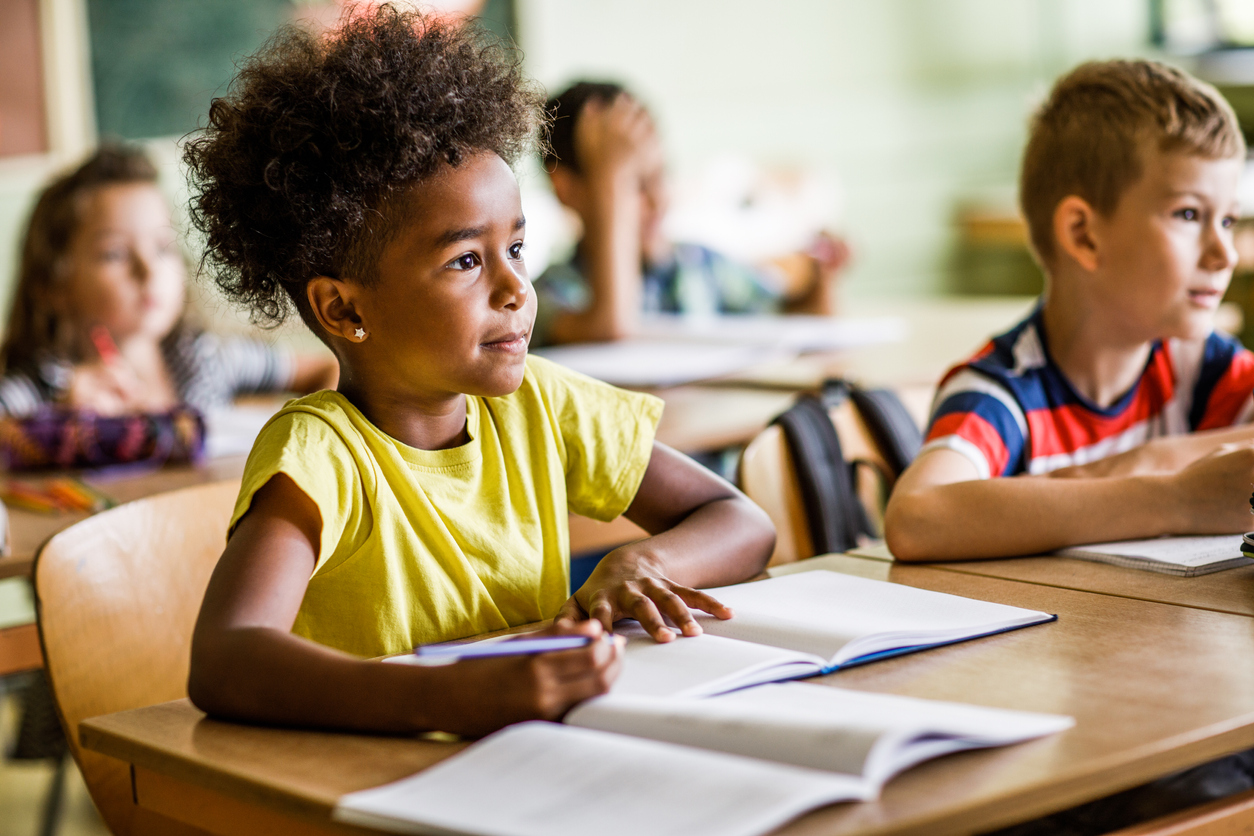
x,y
96,735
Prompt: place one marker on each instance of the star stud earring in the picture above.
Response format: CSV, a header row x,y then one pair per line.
x,y
360,333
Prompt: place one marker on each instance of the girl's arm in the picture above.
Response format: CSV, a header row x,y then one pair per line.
x,y
939,510
705,533
247,665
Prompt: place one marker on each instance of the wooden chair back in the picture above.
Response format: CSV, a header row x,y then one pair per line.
x,y
768,477
117,597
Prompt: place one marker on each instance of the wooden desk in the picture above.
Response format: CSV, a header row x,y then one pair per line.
x,y
1154,688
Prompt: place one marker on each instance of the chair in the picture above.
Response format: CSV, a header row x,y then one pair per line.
x,y
769,477
1231,816
117,597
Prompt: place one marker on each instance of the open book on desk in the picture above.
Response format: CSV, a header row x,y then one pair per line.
x,y
1180,556
739,764
870,736
802,625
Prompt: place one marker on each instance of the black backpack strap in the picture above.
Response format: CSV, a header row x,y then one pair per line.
x,y
890,424
835,514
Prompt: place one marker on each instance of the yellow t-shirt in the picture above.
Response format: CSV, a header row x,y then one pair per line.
x,y
423,546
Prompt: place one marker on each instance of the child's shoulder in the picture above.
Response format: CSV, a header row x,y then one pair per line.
x,y
318,418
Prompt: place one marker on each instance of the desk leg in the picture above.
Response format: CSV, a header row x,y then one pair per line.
x,y
212,812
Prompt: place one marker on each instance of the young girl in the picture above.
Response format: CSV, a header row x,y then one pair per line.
x,y
97,317
363,178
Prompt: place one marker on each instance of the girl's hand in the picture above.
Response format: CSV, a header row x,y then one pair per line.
x,y
627,583
495,692
104,388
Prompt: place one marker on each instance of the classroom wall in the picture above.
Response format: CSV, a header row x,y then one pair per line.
x,y
916,106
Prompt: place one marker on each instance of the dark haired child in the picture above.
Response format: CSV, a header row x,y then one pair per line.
x,y
605,162
1113,403
102,273
364,179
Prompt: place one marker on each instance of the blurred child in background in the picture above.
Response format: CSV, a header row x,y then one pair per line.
x,y
605,162
97,321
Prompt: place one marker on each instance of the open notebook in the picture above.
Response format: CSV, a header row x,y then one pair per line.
x,y
1181,556
740,764
802,625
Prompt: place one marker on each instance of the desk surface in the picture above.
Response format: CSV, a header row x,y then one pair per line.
x,y
28,530
1116,664
1229,591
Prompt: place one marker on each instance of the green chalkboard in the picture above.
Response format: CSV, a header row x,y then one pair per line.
x,y
156,64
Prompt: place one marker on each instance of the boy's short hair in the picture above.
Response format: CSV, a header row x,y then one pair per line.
x,y
304,164
563,115
1085,140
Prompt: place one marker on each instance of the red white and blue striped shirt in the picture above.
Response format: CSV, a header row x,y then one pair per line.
x,y
1010,410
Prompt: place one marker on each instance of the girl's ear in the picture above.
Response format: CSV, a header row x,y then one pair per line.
x,y
1074,231
334,304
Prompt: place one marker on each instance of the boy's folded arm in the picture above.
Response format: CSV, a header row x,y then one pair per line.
x,y
705,533
1166,454
939,510
247,665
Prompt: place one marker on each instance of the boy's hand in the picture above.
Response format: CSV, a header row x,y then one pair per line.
x,y
628,584
613,136
1213,492
494,692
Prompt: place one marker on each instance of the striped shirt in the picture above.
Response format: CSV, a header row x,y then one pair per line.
x,y
207,371
1010,410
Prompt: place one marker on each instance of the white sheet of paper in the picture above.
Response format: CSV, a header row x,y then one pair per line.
x,y
543,779
653,363
792,332
872,736
822,612
231,431
1177,551
701,665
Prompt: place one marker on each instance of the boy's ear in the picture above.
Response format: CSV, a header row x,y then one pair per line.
x,y
333,303
1074,231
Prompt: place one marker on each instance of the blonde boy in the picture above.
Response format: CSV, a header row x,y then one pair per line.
x,y
1117,407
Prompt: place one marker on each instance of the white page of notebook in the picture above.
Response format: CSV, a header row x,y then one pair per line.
x,y
701,665
543,779
870,735
1177,551
821,612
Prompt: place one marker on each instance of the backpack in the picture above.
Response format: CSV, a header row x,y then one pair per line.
x,y
837,519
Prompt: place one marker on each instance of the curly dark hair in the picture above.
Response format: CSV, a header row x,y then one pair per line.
x,y
305,163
